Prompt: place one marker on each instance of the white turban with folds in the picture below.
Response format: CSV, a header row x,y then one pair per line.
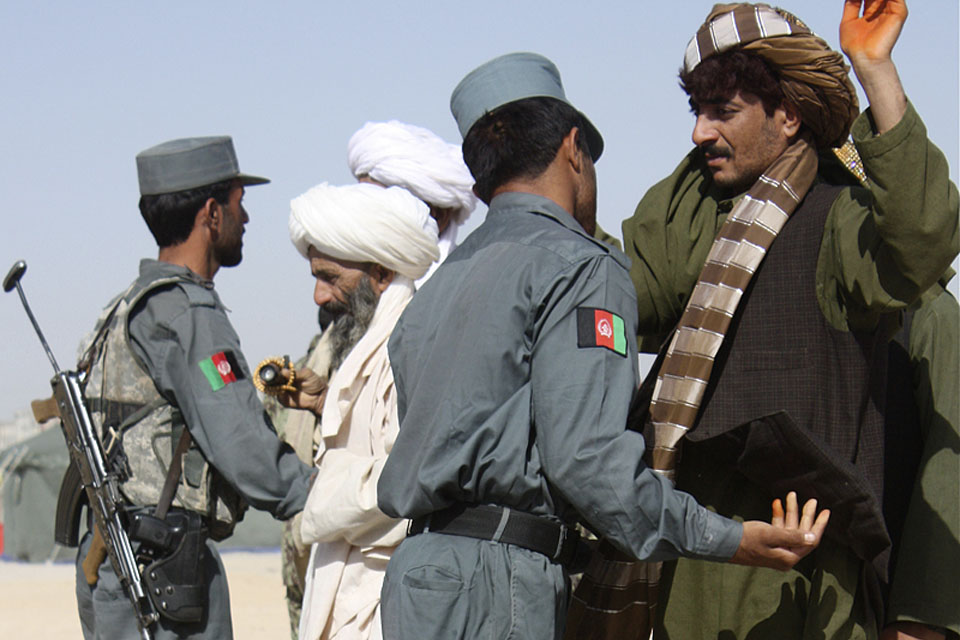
x,y
403,155
366,223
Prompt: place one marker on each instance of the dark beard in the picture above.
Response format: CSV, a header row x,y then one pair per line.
x,y
352,323
230,256
228,249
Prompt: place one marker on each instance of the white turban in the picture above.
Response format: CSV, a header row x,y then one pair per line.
x,y
366,223
403,155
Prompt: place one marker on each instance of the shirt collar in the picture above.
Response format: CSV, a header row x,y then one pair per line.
x,y
532,203
159,269
519,201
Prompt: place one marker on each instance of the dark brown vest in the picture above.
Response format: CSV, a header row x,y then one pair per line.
x,y
794,404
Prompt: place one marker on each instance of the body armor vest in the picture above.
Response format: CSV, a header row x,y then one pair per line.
x,y
139,428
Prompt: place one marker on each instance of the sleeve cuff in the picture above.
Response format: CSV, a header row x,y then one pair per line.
x,y
870,145
721,537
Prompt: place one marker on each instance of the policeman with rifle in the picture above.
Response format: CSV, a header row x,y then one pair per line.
x,y
168,440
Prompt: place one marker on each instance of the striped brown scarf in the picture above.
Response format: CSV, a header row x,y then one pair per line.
x,y
617,597
737,252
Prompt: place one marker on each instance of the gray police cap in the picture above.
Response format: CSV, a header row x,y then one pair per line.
x,y
509,78
187,163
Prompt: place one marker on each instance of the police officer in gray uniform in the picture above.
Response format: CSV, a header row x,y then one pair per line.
x,y
515,367
165,362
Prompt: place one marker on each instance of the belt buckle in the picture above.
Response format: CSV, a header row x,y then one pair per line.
x,y
565,533
414,529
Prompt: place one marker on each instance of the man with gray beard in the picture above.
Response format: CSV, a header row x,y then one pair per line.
x,y
366,246
343,323
351,318
387,154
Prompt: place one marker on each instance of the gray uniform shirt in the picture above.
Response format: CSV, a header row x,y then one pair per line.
x,y
174,329
500,404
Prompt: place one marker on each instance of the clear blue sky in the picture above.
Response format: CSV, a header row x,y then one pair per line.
x,y
86,85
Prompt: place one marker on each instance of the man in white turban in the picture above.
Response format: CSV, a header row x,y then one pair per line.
x,y
385,154
366,246
394,154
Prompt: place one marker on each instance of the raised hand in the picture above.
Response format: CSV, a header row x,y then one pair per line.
x,y
868,40
871,36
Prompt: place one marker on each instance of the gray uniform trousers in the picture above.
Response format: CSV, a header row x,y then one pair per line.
x,y
444,586
106,612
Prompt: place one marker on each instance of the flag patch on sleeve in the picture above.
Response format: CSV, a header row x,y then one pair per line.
x,y
601,328
221,369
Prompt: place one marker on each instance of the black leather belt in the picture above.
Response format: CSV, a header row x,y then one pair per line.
x,y
502,524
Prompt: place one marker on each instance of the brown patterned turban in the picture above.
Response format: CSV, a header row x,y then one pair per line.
x,y
813,76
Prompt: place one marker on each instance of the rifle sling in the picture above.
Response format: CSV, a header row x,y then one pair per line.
x,y
88,356
173,475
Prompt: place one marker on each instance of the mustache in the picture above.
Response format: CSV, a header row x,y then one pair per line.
x,y
335,308
713,150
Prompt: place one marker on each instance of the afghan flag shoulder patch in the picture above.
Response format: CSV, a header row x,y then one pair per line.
x,y
601,328
221,369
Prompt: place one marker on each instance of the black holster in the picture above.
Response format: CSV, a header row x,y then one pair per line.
x,y
174,574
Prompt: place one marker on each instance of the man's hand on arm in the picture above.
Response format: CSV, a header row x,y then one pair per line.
x,y
783,543
310,393
868,41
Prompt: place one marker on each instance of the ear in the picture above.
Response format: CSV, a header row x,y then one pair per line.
x,y
570,148
792,121
210,215
382,277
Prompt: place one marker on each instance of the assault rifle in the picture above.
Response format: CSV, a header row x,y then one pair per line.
x,y
101,485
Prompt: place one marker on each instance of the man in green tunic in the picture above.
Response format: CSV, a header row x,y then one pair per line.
x,y
771,101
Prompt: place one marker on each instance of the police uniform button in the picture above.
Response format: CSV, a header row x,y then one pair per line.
x,y
157,591
169,590
164,605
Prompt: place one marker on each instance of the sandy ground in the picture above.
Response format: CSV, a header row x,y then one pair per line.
x,y
37,600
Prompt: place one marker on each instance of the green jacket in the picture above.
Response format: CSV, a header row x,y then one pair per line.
x,y
881,248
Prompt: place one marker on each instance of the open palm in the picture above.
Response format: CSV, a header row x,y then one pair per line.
x,y
871,36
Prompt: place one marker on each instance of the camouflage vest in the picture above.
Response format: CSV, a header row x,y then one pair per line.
x,y
139,428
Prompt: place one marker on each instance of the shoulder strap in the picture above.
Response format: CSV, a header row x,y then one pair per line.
x,y
173,475
97,343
